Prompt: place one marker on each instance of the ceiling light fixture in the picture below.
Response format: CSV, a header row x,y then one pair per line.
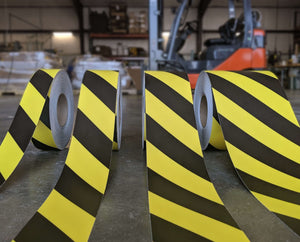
x,y
62,34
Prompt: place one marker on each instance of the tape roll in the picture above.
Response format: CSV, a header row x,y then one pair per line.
x,y
119,119
54,128
183,203
208,125
38,116
262,136
70,210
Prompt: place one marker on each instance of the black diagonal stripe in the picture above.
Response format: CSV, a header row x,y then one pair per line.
x,y
115,131
172,99
2,180
163,230
257,109
101,88
266,80
215,113
22,128
181,74
42,146
92,138
39,229
174,149
74,188
176,194
45,114
41,81
293,223
260,186
257,150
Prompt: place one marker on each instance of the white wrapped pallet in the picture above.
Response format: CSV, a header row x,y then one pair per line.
x,y
94,62
16,68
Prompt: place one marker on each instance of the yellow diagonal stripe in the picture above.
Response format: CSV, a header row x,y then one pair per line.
x,y
68,217
51,72
172,171
278,206
110,76
49,92
197,223
102,117
216,136
10,154
43,134
32,102
264,172
115,146
173,123
255,128
262,93
178,84
85,165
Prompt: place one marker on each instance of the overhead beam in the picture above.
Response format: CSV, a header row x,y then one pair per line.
x,y
40,31
36,6
79,11
76,31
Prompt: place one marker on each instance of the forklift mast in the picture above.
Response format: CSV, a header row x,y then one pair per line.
x,y
156,9
230,52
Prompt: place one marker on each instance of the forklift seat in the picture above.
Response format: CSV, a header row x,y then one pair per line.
x,y
227,32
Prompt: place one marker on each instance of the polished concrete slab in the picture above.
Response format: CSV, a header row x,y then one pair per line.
x,y
123,214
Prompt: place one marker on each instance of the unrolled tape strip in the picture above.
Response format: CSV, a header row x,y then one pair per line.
x,y
45,114
261,133
183,202
70,210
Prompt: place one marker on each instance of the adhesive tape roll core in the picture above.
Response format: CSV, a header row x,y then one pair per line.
x,y
203,108
61,109
55,126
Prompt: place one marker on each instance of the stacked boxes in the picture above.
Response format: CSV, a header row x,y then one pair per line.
x,y
118,18
138,22
133,23
143,22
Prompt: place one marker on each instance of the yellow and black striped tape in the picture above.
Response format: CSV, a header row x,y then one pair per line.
x,y
119,120
262,136
32,121
216,139
183,203
70,210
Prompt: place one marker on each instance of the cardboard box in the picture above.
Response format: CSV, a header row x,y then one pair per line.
x,y
135,73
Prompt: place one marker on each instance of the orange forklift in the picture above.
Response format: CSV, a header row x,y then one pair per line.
x,y
241,44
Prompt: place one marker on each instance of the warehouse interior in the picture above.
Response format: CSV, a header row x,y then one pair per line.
x,y
133,36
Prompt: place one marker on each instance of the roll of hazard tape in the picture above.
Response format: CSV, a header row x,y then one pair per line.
x,y
45,115
207,120
183,203
261,133
119,119
70,210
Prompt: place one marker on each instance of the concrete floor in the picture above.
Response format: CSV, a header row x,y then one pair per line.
x,y
123,214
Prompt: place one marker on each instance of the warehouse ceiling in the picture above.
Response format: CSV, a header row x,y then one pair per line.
x,y
140,3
